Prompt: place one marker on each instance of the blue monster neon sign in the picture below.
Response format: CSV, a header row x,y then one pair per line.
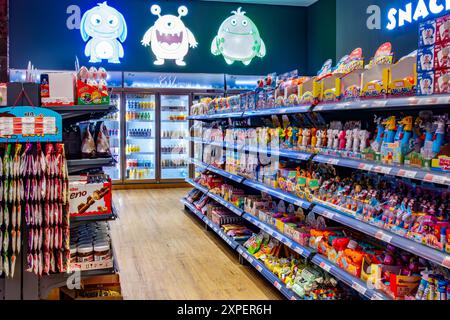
x,y
104,29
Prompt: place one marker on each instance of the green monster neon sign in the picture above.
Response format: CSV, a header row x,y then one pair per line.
x,y
238,39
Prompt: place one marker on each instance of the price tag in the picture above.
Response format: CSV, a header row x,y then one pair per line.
x,y
407,174
359,288
366,167
333,161
376,296
240,250
327,214
380,235
379,103
299,250
386,170
293,298
440,179
277,285
446,262
299,203
250,259
259,268
288,243
325,266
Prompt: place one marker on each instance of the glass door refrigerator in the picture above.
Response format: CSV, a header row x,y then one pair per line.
x,y
140,137
112,122
174,144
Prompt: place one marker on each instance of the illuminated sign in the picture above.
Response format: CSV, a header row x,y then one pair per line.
x,y
422,10
106,30
170,39
238,39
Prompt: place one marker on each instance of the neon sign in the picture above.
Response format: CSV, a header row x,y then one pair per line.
x,y
170,39
106,30
409,14
238,39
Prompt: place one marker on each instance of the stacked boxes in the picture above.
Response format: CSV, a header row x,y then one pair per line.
x,y
433,58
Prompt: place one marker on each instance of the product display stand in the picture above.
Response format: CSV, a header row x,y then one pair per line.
x,y
28,286
326,210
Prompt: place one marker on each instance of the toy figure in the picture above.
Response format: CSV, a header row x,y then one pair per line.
x,y
356,140
349,138
407,124
440,123
390,126
294,137
342,139
376,144
313,137
427,149
330,139
335,139
306,137
320,138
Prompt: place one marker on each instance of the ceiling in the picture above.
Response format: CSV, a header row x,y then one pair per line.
x,y
300,3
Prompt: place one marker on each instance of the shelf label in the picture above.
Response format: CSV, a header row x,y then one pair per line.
x,y
437,179
287,243
325,266
380,235
376,296
327,214
407,174
366,167
299,203
277,285
446,262
259,268
333,161
250,259
299,250
293,298
359,288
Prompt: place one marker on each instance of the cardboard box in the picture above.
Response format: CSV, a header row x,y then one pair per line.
x,y
89,199
61,89
31,95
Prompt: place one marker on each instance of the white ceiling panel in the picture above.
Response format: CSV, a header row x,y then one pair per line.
x,y
300,3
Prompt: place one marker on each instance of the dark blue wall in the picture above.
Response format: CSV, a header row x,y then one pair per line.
x,y
38,33
352,31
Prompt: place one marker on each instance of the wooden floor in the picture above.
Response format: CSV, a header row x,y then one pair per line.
x,y
165,253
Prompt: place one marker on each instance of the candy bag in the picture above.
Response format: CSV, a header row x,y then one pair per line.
x,y
19,242
13,266
103,144
88,149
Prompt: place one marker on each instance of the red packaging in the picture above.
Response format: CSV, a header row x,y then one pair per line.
x,y
442,81
443,29
442,56
90,199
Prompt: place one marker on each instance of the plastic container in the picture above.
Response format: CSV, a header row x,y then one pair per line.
x,y
85,253
102,252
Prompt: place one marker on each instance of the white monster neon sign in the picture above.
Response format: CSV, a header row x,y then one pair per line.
x,y
106,30
170,39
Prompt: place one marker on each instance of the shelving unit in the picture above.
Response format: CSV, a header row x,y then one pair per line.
x,y
75,166
333,213
305,252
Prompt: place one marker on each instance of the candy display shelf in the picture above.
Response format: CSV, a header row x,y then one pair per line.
x,y
407,103
74,114
402,171
307,253
403,103
261,268
233,244
75,166
436,256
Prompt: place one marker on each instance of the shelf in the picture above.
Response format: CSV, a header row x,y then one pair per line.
x,y
197,186
304,252
266,273
233,244
278,194
307,253
225,174
140,138
139,120
371,166
392,170
436,256
221,116
140,152
387,104
175,121
79,165
100,217
74,114
353,282
277,111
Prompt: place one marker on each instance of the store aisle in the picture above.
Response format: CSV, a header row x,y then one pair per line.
x,y
164,253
